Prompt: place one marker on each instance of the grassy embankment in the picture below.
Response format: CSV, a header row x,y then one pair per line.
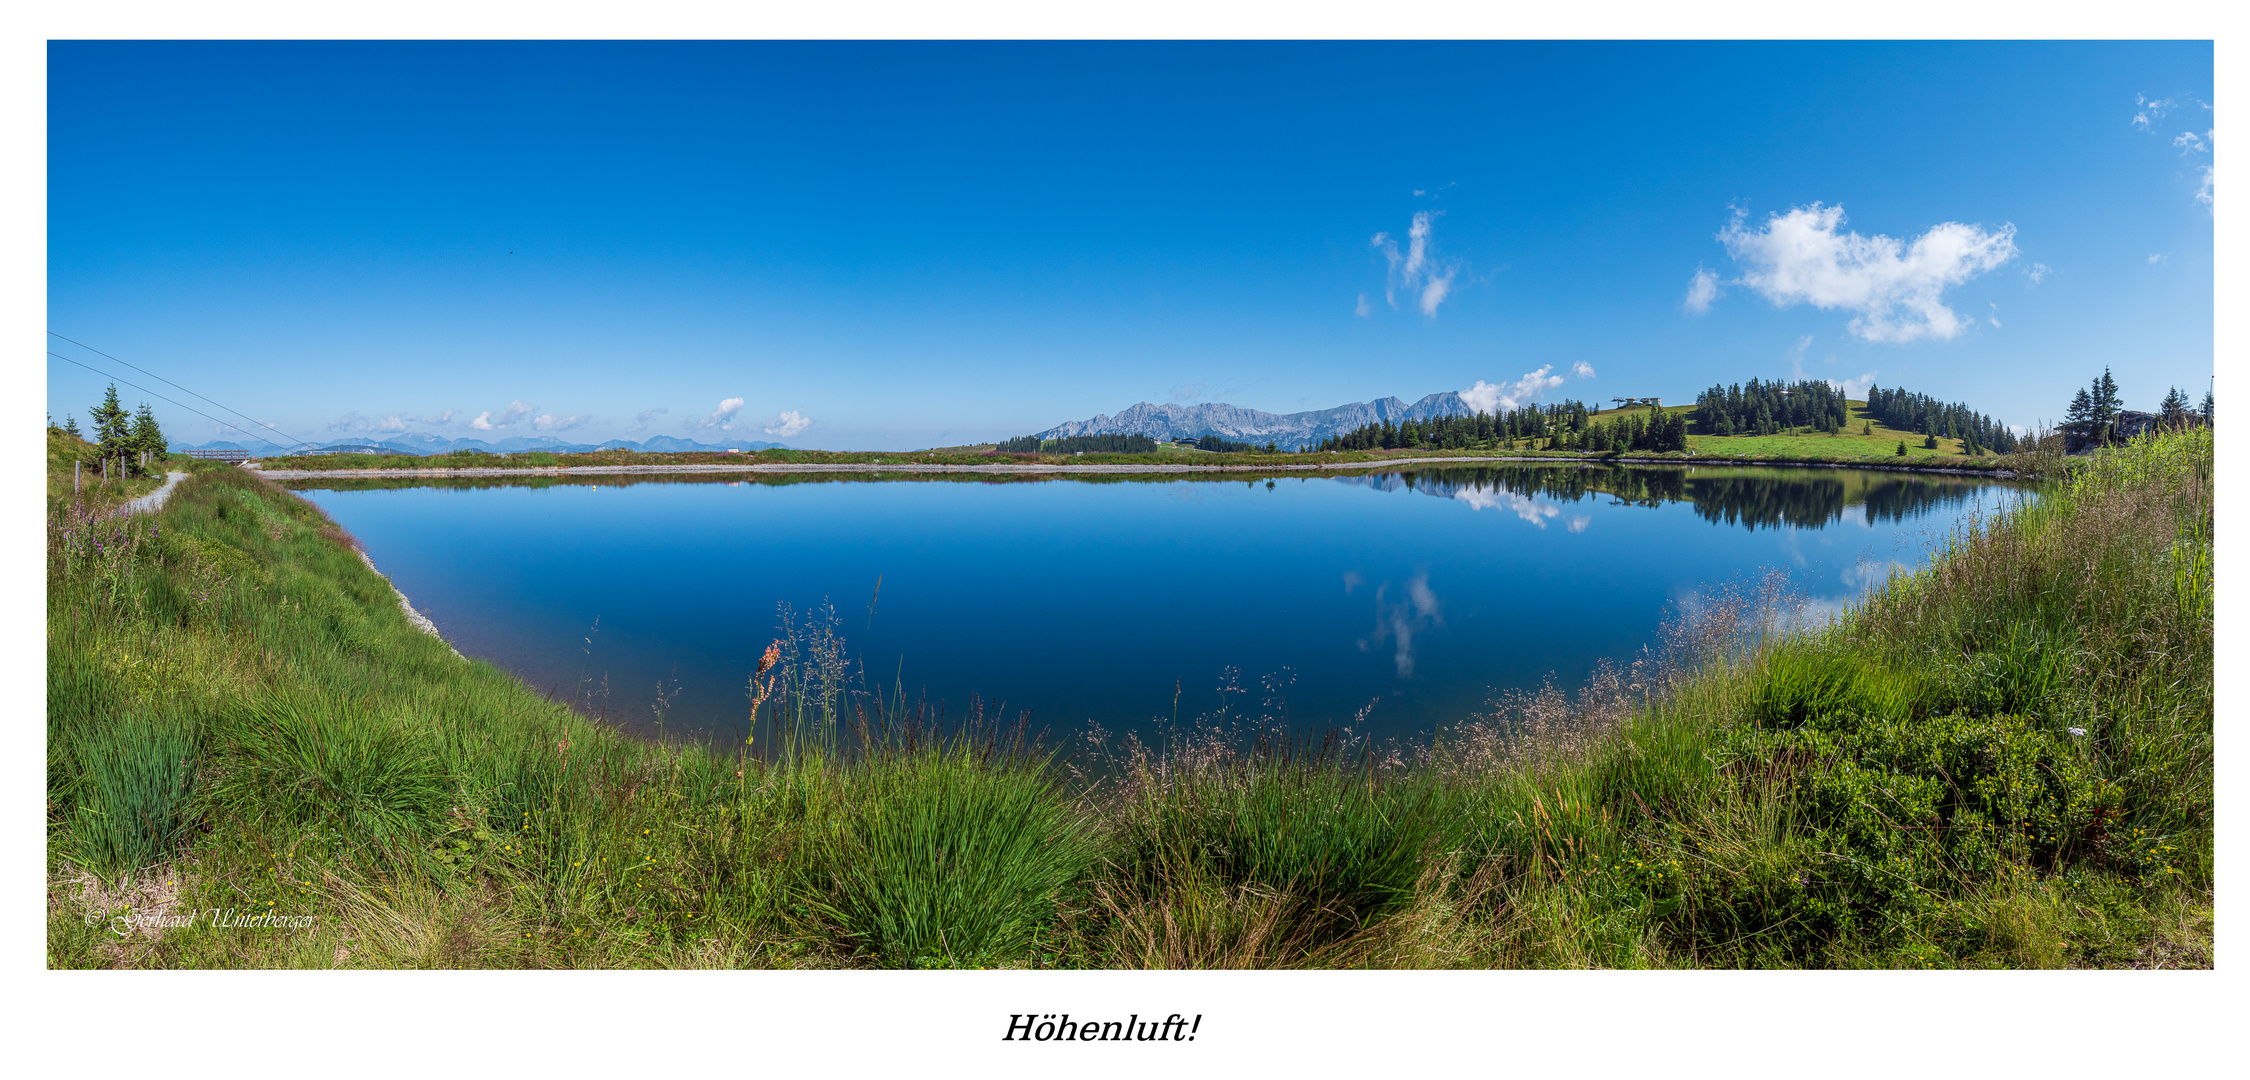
x,y
94,490
2003,760
1849,447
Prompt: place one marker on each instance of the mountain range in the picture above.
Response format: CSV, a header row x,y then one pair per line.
x,y
422,444
1290,430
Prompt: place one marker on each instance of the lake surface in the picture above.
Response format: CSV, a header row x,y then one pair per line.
x,y
1407,596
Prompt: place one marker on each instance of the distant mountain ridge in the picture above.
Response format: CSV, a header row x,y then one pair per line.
x,y
1164,422
421,444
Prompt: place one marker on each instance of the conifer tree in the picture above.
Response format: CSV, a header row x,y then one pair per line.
x,y
147,436
2174,406
2106,401
113,427
2082,410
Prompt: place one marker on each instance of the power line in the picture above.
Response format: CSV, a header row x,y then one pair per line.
x,y
167,382
160,397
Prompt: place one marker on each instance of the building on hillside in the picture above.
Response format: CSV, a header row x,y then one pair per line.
x,y
2085,435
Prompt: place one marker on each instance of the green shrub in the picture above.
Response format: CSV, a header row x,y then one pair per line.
x,y
1803,685
944,860
135,777
312,762
1342,847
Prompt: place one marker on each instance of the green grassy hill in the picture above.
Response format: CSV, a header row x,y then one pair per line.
x,y
92,488
1881,442
1805,443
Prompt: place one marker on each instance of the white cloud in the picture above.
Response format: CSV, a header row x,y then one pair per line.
x,y
2189,141
1897,289
1797,357
641,418
1417,244
789,423
1187,391
2154,259
1523,506
721,417
551,422
1994,318
1434,293
1854,388
1419,270
1578,524
1582,369
389,423
515,411
2152,109
2038,272
1701,290
1400,621
1363,309
1487,398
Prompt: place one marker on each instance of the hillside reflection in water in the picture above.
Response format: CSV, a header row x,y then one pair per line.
x,y
1402,596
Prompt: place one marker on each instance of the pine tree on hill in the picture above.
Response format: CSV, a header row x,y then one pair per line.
x,y
147,437
2106,401
113,427
2175,402
2082,410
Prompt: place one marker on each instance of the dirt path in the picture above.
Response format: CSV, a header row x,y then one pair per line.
x,y
148,504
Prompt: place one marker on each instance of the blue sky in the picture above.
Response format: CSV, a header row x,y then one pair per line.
x,y
891,245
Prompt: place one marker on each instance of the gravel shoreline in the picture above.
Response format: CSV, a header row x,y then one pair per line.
x,y
421,622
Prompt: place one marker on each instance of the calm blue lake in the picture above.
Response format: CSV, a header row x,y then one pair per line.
x,y
1412,595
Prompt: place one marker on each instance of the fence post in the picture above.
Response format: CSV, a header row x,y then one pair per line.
x,y
74,464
